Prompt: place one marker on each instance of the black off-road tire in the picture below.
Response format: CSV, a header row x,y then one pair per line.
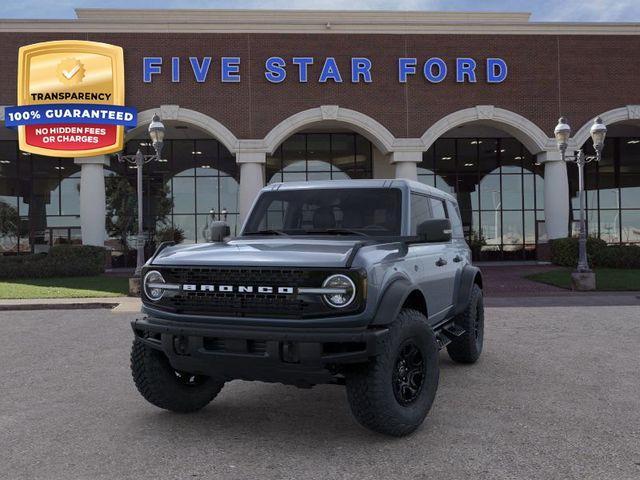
x,y
372,388
161,385
468,347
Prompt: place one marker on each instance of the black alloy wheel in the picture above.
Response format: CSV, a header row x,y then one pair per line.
x,y
408,373
189,379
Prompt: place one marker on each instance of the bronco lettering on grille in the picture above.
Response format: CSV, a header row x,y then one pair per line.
x,y
192,287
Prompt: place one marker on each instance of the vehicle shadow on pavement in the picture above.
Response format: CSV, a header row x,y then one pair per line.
x,y
266,411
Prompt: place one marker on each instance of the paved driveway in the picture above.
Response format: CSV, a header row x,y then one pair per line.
x,y
555,395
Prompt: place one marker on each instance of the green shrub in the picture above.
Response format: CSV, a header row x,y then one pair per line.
x,y
169,234
564,252
618,256
61,261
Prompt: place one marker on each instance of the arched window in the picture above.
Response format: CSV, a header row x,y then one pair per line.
x,y
320,156
499,190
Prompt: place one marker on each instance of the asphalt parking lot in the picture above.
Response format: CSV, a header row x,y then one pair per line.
x,y
555,395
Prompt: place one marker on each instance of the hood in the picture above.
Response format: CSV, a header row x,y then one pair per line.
x,y
289,252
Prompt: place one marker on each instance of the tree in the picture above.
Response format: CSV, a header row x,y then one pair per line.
x,y
122,208
9,221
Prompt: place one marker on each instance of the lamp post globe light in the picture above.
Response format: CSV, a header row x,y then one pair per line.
x,y
156,134
583,278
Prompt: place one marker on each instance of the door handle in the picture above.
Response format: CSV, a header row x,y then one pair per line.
x,y
457,258
441,262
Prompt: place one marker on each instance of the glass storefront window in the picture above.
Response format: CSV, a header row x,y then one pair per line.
x,y
612,191
630,224
490,193
206,195
630,190
320,156
499,190
512,192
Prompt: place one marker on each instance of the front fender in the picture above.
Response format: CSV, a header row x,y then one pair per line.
x,y
467,279
392,300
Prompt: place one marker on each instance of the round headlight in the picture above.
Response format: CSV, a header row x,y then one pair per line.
x,y
345,291
152,285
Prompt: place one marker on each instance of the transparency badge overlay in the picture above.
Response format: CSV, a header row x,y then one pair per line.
x,y
71,99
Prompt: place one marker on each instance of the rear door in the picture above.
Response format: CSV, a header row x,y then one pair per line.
x,y
427,263
448,261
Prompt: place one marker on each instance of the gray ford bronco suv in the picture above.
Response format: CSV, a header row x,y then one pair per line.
x,y
355,282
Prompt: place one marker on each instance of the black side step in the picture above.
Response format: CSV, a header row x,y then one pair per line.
x,y
452,331
443,340
448,333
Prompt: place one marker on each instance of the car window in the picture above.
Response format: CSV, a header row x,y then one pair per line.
x,y
456,222
437,206
420,211
371,211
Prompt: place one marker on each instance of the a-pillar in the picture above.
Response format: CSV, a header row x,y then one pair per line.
x,y
92,199
406,164
556,194
251,179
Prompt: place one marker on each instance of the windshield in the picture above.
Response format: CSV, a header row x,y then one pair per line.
x,y
327,211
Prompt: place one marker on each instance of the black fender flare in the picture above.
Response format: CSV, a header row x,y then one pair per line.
x,y
467,279
392,300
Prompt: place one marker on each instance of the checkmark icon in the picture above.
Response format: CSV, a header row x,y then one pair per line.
x,y
71,73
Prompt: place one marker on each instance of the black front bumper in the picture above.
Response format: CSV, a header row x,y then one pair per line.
x,y
299,356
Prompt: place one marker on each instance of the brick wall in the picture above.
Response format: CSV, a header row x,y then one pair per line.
x,y
578,76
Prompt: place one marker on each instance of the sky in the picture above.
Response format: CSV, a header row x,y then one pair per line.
x,y
542,10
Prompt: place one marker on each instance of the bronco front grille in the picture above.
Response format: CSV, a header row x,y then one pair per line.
x,y
254,304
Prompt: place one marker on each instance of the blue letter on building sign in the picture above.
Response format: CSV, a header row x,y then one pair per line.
x,y
275,69
151,66
200,71
465,67
360,67
496,70
406,66
330,71
428,70
303,64
175,69
230,70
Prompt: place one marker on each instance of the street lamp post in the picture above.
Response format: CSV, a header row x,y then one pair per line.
x,y
156,133
598,132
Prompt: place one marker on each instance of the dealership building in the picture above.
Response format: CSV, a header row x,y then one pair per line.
x,y
466,102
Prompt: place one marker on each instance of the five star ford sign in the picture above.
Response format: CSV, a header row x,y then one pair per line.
x,y
70,99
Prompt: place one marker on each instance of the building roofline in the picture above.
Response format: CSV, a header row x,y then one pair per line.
x,y
285,15
310,21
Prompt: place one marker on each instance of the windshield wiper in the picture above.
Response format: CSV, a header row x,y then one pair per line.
x,y
267,232
338,231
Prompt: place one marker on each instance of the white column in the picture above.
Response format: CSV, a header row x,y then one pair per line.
x,y
93,208
556,194
406,164
251,179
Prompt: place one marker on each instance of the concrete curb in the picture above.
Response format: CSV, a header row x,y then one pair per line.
x,y
116,304
9,307
571,299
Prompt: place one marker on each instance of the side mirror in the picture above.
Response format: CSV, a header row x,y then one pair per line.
x,y
435,230
218,231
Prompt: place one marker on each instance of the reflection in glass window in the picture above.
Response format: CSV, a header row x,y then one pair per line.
x,y
630,224
320,156
512,192
420,211
630,190
612,190
188,225
437,208
490,177
610,226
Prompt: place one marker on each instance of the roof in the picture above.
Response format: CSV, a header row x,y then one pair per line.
x,y
369,183
311,21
